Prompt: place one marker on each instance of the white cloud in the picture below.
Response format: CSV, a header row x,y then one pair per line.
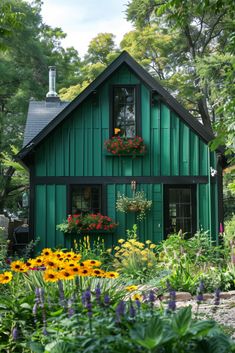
x,y
83,20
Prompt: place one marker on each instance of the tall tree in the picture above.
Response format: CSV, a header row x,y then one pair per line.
x,y
203,28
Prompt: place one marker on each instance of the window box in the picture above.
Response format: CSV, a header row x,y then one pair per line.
x,y
122,146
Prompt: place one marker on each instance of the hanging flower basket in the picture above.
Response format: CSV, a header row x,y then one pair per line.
x,y
120,146
137,203
88,223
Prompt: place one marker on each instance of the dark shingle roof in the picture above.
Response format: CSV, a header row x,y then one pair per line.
x,y
40,114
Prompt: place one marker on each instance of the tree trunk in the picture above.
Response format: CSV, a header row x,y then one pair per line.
x,y
4,187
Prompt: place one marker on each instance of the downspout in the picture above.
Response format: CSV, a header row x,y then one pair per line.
x,y
209,184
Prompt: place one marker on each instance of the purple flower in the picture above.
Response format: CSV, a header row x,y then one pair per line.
x,y
106,300
172,301
120,310
151,296
132,311
89,309
15,333
217,297
98,293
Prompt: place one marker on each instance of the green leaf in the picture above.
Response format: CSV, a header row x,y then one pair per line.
x,y
201,328
56,313
181,321
36,347
25,306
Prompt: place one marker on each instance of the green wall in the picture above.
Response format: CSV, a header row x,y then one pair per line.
x,y
75,148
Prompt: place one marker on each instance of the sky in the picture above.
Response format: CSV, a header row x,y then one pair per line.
x,y
82,20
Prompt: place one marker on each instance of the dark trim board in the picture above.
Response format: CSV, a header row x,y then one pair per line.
x,y
31,202
122,180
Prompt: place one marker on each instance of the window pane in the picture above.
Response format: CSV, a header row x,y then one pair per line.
x,y
125,110
180,210
85,198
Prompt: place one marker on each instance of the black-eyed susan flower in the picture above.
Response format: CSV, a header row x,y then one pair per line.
x,y
131,288
137,296
38,261
66,275
18,266
59,255
92,263
97,272
51,276
50,262
69,255
29,263
111,274
46,252
84,271
75,270
5,277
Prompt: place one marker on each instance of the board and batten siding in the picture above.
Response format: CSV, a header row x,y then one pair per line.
x,y
76,148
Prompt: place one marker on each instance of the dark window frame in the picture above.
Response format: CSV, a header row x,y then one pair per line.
x,y
192,187
102,197
137,107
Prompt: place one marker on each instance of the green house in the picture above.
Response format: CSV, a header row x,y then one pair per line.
x,y
70,168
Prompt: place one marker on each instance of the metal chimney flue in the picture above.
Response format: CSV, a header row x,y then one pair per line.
x,y
52,82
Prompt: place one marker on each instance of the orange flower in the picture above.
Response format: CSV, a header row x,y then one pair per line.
x,y
66,275
5,277
18,266
111,275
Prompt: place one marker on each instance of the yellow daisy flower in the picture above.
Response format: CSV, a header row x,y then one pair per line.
x,y
117,248
84,271
29,263
137,296
51,263
111,274
131,288
46,252
5,277
69,254
51,276
92,263
66,275
59,254
18,266
153,246
120,241
38,261
97,272
148,242
75,270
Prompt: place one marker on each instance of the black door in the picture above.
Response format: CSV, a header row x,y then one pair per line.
x,y
179,209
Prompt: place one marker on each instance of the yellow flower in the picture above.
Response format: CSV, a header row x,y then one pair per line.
x,y
51,263
38,261
153,246
148,242
69,254
116,130
150,264
29,263
66,274
18,266
46,252
120,241
109,251
5,277
92,263
111,274
59,254
84,271
75,270
117,248
97,272
131,288
137,296
51,276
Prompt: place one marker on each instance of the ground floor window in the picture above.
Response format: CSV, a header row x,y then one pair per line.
x,y
85,199
180,209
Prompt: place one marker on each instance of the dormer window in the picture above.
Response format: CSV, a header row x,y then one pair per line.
x,y
125,111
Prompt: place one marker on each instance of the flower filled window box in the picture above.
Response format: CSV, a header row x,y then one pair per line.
x,y
123,146
80,223
137,203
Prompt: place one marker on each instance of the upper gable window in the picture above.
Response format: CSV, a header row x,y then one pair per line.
x,y
125,110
